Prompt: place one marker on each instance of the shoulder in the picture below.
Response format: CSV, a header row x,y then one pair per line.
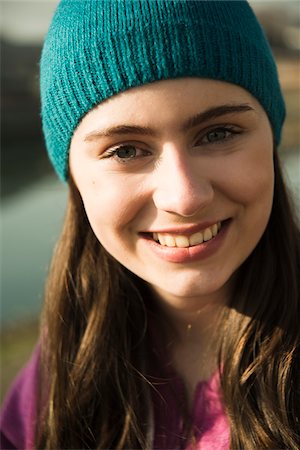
x,y
19,410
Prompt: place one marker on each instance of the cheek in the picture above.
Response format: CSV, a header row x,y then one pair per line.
x,y
255,187
251,191
110,205
248,177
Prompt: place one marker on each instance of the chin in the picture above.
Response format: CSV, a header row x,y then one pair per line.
x,y
185,292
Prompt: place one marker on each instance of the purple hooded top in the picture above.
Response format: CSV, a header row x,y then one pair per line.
x,y
19,411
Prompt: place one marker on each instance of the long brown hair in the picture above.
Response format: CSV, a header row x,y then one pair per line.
x,y
94,339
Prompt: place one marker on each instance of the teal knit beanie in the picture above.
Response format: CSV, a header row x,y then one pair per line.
x,y
97,48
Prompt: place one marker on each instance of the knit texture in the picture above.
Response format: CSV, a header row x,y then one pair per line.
x,y
97,48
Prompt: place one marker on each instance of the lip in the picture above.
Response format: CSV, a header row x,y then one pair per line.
x,y
189,254
185,230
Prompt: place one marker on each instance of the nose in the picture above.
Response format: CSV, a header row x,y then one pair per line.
x,y
181,186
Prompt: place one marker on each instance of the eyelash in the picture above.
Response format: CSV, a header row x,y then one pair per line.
x,y
232,130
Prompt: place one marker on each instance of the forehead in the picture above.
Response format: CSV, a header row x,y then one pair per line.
x,y
167,102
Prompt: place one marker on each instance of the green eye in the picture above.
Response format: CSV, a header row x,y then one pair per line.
x,y
217,135
126,152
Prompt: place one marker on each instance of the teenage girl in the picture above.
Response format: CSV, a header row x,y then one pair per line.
x,y
171,316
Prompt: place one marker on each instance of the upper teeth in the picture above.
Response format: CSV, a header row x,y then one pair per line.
x,y
182,241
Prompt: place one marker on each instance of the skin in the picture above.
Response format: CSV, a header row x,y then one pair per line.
x,y
178,178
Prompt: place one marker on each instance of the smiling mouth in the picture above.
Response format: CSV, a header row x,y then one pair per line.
x,y
185,241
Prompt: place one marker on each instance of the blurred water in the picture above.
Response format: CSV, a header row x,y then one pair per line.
x,y
291,161
31,222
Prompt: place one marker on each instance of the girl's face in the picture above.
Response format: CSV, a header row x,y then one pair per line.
x,y
177,182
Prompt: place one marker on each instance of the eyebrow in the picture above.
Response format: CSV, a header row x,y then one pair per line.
x,y
215,112
211,113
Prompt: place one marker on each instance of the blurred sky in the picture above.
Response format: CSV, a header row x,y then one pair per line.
x,y
26,21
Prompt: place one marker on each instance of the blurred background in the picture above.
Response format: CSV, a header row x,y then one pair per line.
x,y
33,200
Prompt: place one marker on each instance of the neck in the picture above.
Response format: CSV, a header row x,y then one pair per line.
x,y
192,335
193,319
